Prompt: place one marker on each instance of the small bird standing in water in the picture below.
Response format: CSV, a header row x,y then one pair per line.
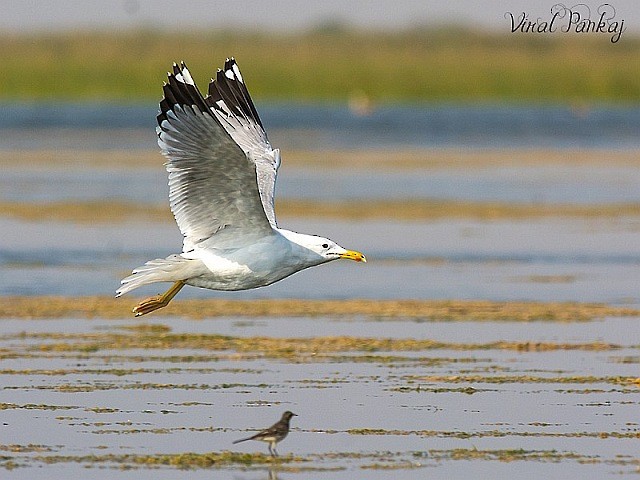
x,y
274,434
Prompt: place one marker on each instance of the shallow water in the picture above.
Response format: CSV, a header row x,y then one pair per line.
x,y
544,260
470,409
64,125
577,184
171,401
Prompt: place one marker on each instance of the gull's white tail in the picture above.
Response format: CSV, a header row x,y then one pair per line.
x,y
174,268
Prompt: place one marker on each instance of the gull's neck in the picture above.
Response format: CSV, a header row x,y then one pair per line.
x,y
300,246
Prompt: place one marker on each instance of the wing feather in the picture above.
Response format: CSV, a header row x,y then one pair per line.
x,y
213,182
231,103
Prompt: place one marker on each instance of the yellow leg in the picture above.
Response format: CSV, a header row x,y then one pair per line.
x,y
159,301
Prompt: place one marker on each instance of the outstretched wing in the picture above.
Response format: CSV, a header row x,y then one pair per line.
x,y
213,180
232,105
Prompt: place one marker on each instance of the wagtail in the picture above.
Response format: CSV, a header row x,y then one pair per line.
x,y
274,434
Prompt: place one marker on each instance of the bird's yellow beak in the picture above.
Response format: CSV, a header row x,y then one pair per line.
x,y
353,255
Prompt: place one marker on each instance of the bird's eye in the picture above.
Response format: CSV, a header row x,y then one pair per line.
x,y
325,245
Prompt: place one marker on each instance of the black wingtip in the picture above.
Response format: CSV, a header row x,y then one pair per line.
x,y
228,86
180,91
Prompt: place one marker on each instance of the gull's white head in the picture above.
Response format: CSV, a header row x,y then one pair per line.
x,y
321,250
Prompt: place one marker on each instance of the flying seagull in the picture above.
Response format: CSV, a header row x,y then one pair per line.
x,y
222,173
274,434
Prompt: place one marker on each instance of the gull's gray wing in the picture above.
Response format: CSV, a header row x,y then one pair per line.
x,y
213,179
231,103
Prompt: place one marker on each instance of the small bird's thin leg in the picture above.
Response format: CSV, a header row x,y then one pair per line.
x,y
272,449
159,301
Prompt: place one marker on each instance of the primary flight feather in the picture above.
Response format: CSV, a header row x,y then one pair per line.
x,y
222,173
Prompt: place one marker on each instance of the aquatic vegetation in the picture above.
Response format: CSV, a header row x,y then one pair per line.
x,y
178,382
377,160
186,460
281,347
506,455
290,463
111,211
428,310
31,406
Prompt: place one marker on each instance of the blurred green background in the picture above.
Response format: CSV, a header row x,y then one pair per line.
x,y
330,63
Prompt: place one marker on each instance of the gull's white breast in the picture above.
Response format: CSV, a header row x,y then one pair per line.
x,y
269,259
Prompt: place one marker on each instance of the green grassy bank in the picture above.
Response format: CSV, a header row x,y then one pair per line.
x,y
423,65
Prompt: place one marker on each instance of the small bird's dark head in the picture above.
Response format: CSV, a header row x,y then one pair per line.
x,y
287,415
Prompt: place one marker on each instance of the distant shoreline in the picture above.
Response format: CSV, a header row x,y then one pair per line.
x,y
351,66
